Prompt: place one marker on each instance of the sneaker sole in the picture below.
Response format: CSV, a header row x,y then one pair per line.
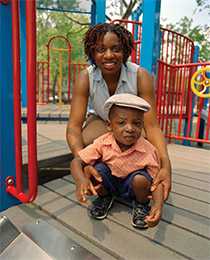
x,y
136,226
139,227
104,216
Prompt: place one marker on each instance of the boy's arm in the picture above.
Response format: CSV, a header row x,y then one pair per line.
x,y
156,210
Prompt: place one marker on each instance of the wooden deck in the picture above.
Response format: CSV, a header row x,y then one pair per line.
x,y
183,232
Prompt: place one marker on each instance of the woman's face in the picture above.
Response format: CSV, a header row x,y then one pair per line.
x,y
109,54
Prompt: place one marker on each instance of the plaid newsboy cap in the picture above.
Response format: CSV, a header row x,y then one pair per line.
x,y
126,100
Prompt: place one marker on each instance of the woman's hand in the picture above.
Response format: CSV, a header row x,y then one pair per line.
x,y
94,177
84,187
164,177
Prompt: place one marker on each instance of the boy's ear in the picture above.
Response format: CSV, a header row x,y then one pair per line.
x,y
108,125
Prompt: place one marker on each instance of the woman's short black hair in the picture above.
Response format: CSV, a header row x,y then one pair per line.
x,y
97,32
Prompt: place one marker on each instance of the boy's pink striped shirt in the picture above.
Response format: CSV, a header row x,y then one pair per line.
x,y
141,155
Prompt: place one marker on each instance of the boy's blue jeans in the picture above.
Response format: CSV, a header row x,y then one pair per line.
x,y
121,187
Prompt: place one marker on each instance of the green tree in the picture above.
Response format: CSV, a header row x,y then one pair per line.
x,y
53,23
203,4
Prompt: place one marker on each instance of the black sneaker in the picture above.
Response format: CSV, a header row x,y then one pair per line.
x,y
140,211
100,207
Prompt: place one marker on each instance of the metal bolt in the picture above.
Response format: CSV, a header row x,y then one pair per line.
x,y
10,181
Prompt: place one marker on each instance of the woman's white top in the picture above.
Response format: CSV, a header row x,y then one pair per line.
x,y
98,89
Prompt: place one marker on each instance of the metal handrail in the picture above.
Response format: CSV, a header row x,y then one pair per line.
x,y
17,191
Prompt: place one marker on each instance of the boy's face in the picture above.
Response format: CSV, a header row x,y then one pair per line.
x,y
108,54
126,124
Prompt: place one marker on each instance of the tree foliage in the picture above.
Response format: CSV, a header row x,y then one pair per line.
x,y
58,4
200,34
203,4
73,26
53,23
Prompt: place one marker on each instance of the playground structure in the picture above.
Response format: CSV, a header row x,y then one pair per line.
x,y
176,103
182,115
56,88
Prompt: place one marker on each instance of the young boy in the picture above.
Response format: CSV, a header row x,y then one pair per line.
x,y
122,162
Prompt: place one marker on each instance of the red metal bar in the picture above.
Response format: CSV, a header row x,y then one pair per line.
x,y
208,125
189,114
31,107
31,101
179,44
167,49
17,97
182,103
192,139
188,65
159,90
4,2
172,99
173,49
200,107
184,58
175,102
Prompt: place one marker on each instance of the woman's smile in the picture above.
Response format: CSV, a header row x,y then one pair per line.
x,y
109,65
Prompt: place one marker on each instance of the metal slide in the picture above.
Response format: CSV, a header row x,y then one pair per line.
x,y
40,241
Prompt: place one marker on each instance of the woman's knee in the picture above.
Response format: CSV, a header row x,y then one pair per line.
x,y
93,129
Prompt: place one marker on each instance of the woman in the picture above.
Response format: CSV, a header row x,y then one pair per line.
x,y
108,47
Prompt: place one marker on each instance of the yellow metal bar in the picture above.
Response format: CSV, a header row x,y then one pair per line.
x,y
59,49
60,80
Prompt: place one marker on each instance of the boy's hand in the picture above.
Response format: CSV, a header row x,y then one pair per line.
x,y
89,171
154,216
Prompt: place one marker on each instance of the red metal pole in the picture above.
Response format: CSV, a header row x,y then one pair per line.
x,y
31,101
31,106
208,125
17,98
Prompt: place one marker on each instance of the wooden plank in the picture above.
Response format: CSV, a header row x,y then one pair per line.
x,y
198,184
192,174
183,202
189,158
171,236
165,234
178,216
191,192
186,220
189,204
108,235
188,150
179,163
